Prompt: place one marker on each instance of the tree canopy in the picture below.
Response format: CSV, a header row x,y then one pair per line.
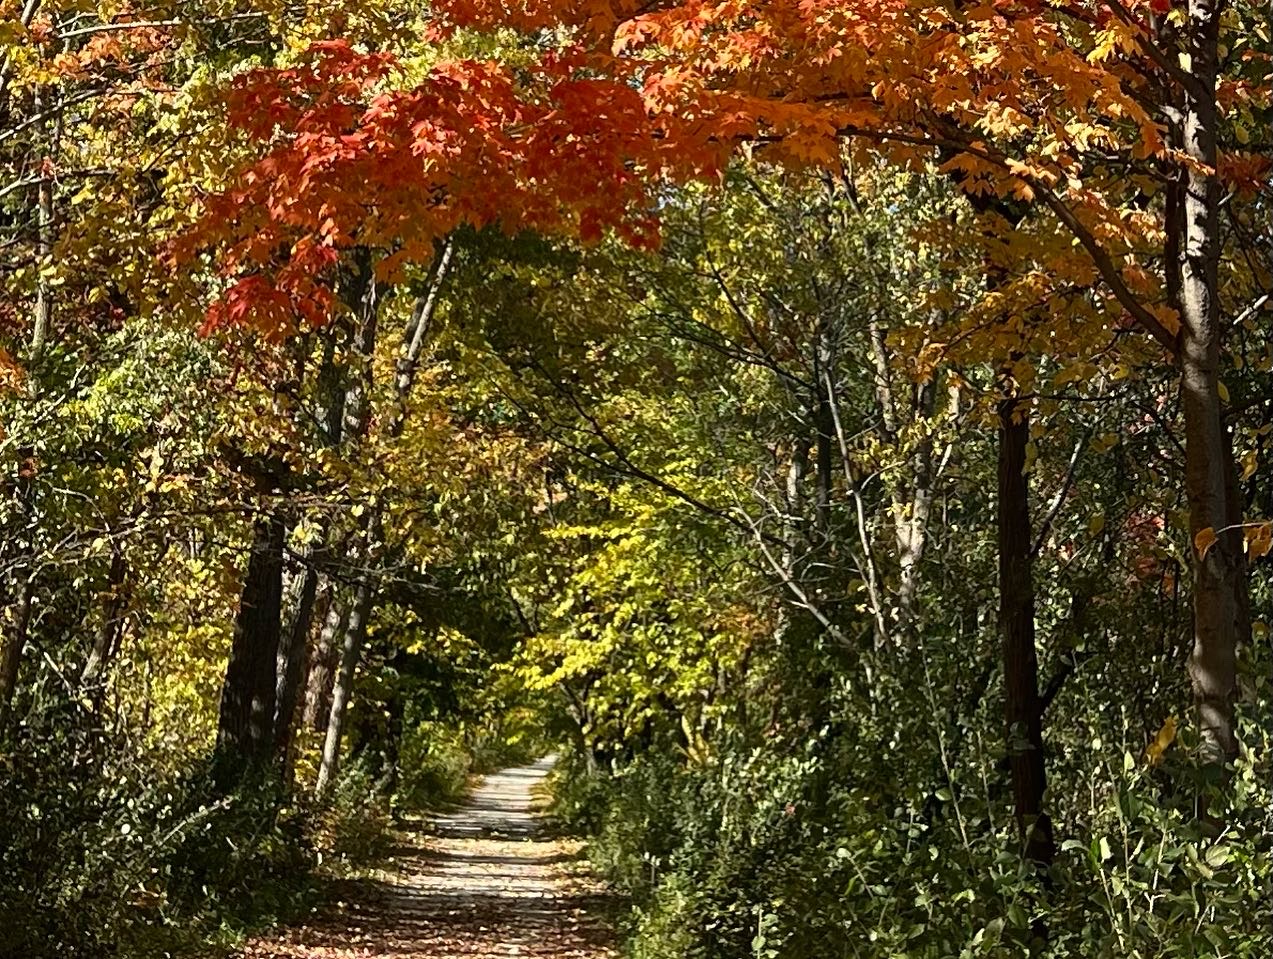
x,y
840,428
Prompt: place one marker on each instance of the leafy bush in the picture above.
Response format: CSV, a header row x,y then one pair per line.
x,y
354,824
91,861
101,855
764,855
436,767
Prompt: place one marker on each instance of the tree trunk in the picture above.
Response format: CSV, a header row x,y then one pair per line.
x,y
322,669
246,726
912,496
1022,703
350,650
43,319
825,432
391,763
376,736
795,533
291,660
912,514
415,335
106,642
362,293
294,650
1220,574
17,596
366,293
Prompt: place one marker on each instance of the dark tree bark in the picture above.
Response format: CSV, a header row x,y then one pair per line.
x,y
377,733
106,641
294,649
395,716
291,660
17,624
1023,706
17,597
246,726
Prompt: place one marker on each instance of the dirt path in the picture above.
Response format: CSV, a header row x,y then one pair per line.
x,y
486,884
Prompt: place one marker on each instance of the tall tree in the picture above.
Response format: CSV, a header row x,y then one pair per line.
x,y
245,731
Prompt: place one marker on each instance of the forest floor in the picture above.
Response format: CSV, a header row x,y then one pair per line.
x,y
484,881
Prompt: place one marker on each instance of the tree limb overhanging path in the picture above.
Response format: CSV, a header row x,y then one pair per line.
x,y
489,883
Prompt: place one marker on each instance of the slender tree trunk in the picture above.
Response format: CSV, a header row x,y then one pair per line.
x,y
376,734
391,765
1022,704
323,664
580,715
795,534
16,622
365,292
29,9
43,319
350,651
416,334
883,380
912,513
1236,505
793,524
245,731
106,642
1220,574
912,497
294,649
825,433
17,596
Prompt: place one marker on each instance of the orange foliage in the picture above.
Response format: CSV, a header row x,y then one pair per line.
x,y
1048,104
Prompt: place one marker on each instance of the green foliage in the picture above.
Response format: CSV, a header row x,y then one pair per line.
x,y
101,856
353,826
99,859
750,857
437,768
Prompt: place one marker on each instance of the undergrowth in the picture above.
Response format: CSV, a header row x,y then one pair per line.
x,y
815,853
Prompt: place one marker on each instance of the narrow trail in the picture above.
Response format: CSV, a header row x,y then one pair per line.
x,y
487,883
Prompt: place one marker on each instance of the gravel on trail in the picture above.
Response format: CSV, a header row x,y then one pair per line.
x,y
484,881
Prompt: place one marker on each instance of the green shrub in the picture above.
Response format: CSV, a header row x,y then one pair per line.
x,y
99,854
102,855
354,825
436,767
808,852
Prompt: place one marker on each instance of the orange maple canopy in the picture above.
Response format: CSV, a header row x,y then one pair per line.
x,y
1049,104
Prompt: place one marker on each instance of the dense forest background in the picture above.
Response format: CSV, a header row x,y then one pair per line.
x,y
867,491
